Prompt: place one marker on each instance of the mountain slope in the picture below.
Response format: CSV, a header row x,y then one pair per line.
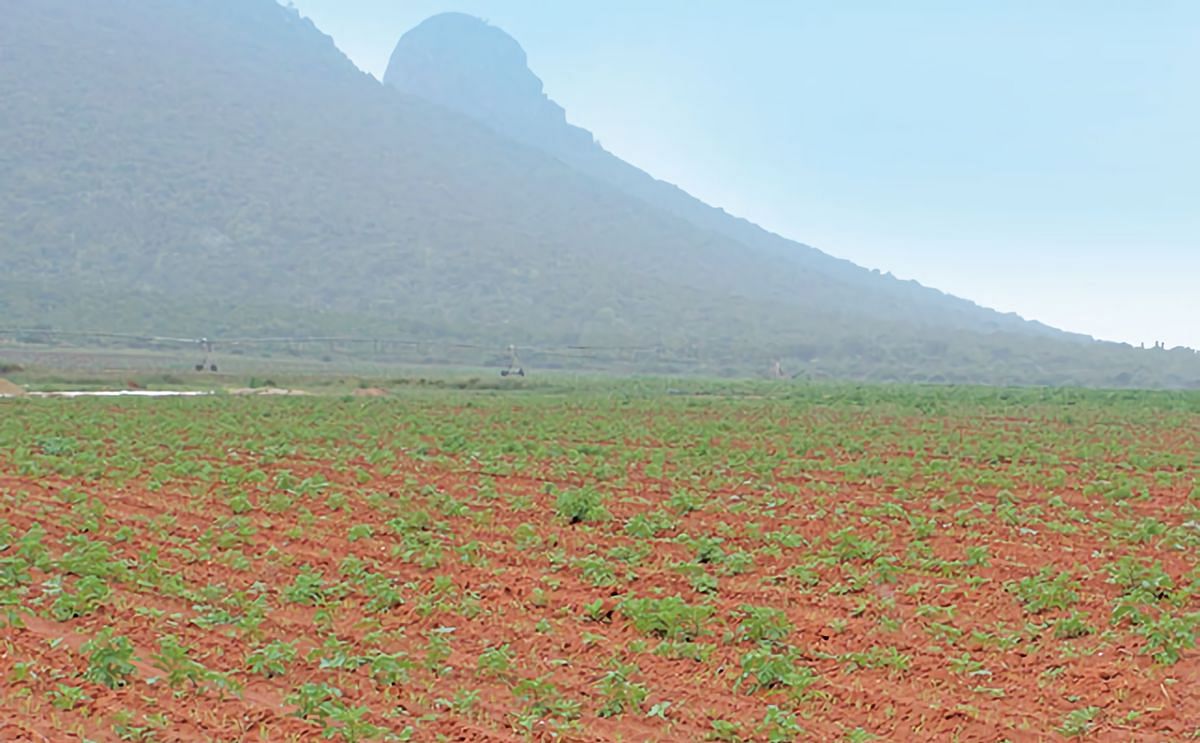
x,y
464,64
226,149
218,167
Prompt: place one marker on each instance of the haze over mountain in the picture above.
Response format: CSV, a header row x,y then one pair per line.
x,y
465,64
217,167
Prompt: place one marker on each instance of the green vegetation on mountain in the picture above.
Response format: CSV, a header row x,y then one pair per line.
x,y
218,167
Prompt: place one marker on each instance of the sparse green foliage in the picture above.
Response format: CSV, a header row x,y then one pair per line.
x,y
1079,722
619,692
582,505
671,618
109,659
272,659
1046,591
826,540
175,661
89,594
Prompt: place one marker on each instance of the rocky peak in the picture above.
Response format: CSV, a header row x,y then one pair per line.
x,y
465,64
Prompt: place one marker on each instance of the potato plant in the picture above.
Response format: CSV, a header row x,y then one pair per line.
x,y
633,560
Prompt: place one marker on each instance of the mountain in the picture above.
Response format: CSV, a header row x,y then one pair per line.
x,y
218,168
465,64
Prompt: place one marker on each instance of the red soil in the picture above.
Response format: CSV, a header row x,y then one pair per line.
x,y
1035,683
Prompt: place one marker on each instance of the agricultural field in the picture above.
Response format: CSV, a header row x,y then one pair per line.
x,y
774,563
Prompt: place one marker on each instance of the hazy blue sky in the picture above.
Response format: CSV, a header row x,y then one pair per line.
x,y
1040,157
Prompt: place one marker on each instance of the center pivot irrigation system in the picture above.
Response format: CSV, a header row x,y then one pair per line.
x,y
362,347
207,363
514,364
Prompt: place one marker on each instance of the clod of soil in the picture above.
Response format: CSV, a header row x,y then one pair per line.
x,y
8,389
370,392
